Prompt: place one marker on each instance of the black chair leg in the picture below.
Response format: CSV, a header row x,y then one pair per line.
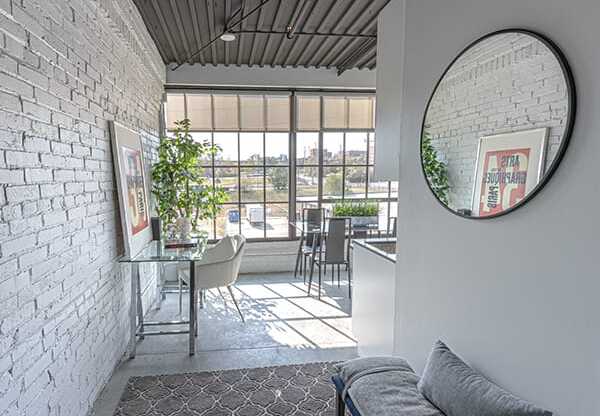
x,y
298,260
340,406
304,268
319,288
338,267
332,272
312,269
349,282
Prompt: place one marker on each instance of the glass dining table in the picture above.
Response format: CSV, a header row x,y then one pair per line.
x,y
156,252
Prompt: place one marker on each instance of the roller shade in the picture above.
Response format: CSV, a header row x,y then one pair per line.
x,y
226,112
308,113
360,113
335,113
278,113
175,109
199,111
269,112
252,115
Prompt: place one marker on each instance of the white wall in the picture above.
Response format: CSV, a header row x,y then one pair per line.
x,y
66,68
516,296
271,77
390,58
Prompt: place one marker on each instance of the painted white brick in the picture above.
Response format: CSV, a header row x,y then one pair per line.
x,y
38,175
22,159
22,193
12,176
36,144
50,190
9,101
17,245
61,79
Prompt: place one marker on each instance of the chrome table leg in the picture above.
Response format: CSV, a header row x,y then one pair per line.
x,y
192,288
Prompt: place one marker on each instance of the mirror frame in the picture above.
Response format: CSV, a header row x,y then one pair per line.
x,y
572,102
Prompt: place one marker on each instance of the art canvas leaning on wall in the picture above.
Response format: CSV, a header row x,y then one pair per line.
x,y
508,167
132,188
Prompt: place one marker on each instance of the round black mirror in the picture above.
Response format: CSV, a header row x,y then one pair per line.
x,y
497,123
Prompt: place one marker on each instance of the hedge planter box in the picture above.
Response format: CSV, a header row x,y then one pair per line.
x,y
364,221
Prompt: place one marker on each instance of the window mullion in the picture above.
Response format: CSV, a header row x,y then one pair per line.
x,y
320,158
292,174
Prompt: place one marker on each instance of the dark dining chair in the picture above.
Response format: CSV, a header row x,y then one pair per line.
x,y
312,218
333,250
392,226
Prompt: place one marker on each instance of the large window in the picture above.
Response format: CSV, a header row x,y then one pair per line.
x,y
328,157
335,145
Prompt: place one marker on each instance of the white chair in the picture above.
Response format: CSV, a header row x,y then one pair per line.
x,y
218,268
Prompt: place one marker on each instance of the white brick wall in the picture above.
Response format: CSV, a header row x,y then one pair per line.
x,y
66,68
505,83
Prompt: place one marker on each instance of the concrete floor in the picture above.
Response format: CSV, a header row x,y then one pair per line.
x,y
283,326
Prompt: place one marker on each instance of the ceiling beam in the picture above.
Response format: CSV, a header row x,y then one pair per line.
x,y
328,34
165,29
196,28
241,38
313,37
270,38
283,39
227,11
353,28
294,28
336,28
259,24
208,7
368,27
179,25
366,48
366,59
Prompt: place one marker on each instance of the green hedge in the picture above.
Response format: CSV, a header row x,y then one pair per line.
x,y
356,209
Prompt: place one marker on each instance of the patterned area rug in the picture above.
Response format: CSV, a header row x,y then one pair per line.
x,y
299,390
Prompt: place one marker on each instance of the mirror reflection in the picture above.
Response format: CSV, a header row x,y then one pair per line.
x,y
497,123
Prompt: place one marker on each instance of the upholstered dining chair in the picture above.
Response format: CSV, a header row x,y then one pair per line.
x,y
218,268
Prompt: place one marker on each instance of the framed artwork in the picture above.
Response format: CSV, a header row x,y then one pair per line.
x,y
132,188
508,167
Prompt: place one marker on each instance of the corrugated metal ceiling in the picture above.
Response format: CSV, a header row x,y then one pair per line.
x,y
180,28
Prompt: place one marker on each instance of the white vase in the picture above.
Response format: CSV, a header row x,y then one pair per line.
x,y
184,227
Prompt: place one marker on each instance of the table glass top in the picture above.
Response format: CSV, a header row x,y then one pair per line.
x,y
155,251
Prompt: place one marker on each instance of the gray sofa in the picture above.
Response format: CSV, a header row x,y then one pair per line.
x,y
388,386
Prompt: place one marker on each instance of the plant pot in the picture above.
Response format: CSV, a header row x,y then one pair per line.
x,y
184,228
364,221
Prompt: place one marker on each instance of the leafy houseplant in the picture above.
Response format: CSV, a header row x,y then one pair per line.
x,y
436,171
178,184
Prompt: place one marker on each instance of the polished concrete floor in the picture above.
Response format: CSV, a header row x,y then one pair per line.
x,y
283,326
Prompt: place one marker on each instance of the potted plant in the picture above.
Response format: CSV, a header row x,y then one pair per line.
x,y
435,170
362,213
184,196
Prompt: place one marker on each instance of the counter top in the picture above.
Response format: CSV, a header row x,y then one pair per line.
x,y
384,247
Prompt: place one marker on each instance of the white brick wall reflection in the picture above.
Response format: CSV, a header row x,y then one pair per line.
x,y
506,83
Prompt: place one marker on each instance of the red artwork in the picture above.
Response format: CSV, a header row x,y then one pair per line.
x,y
504,180
136,193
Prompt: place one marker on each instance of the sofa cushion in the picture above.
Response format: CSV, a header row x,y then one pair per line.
x,y
383,386
458,390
